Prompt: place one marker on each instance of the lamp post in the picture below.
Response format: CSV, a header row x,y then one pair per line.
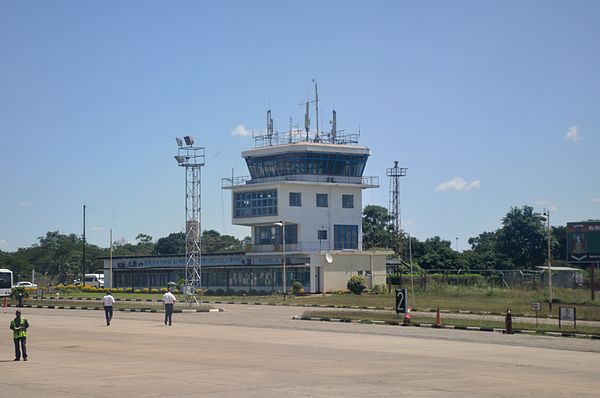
x,y
282,224
547,215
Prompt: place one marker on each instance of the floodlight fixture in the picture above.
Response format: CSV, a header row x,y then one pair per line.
x,y
179,142
189,140
180,159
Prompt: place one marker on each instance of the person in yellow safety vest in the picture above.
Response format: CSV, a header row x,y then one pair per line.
x,y
19,327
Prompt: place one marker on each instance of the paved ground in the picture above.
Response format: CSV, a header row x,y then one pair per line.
x,y
252,351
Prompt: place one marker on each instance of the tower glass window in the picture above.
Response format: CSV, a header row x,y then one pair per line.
x,y
255,204
295,199
322,234
345,236
322,200
311,163
348,201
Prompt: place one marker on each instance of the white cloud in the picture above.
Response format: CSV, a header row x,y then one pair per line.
x,y
595,200
23,203
573,134
3,243
458,184
241,131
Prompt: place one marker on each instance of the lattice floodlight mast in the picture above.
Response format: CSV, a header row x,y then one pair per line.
x,y
394,205
192,158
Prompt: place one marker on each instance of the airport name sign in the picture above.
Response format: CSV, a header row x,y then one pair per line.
x,y
583,242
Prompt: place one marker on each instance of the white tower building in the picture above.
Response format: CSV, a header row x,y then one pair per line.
x,y
310,184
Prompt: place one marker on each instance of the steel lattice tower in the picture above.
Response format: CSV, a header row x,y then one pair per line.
x,y
192,159
394,204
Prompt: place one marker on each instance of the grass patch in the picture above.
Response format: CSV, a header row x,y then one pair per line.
x,y
389,316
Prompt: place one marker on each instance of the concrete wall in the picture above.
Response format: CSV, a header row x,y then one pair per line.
x,y
335,275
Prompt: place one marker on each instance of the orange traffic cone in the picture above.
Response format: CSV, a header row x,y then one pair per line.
x,y
438,319
407,317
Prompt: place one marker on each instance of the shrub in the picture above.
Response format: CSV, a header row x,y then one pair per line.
x,y
356,284
164,290
253,292
120,290
153,290
137,291
219,292
209,292
297,288
145,290
378,289
128,290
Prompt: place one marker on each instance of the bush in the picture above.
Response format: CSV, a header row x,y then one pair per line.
x,y
209,292
356,284
378,289
219,292
137,291
253,292
297,288
163,290
128,290
153,290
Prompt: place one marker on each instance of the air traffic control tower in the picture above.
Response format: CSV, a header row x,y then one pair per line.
x,y
305,189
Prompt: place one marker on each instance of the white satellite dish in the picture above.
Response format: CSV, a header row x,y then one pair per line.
x,y
328,258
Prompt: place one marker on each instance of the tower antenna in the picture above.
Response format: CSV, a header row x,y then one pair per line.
x,y
316,109
394,205
269,127
307,120
191,157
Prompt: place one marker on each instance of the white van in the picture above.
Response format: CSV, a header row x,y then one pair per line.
x,y
95,280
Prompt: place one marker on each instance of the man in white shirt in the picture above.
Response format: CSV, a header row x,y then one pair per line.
x,y
168,302
108,302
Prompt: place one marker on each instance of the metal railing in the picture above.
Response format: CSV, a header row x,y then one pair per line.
x,y
367,181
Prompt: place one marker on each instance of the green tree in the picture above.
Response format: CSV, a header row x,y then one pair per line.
x,y
172,244
522,238
214,242
438,254
377,231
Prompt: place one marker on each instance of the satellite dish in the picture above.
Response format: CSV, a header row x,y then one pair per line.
x,y
328,258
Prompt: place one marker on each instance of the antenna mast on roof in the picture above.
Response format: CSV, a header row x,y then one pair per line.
x,y
269,127
316,109
333,127
307,120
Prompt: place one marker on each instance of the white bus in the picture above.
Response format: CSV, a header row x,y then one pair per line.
x,y
96,280
6,282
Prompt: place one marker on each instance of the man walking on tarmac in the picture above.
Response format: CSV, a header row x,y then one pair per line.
x,y
168,302
19,327
108,302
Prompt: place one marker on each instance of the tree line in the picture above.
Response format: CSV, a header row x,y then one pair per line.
x,y
520,243
61,256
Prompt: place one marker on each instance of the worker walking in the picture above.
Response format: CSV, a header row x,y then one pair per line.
x,y
107,302
168,303
19,327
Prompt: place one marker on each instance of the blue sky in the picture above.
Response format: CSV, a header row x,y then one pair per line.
x,y
488,104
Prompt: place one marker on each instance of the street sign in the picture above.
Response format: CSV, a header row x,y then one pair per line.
x,y
536,306
401,296
583,242
567,314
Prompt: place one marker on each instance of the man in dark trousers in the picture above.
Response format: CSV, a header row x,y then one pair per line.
x,y
107,302
19,327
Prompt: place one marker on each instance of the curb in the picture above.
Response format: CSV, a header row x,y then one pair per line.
x,y
72,307
455,327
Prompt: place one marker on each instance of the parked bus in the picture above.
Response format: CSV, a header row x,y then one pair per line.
x,y
95,280
6,282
